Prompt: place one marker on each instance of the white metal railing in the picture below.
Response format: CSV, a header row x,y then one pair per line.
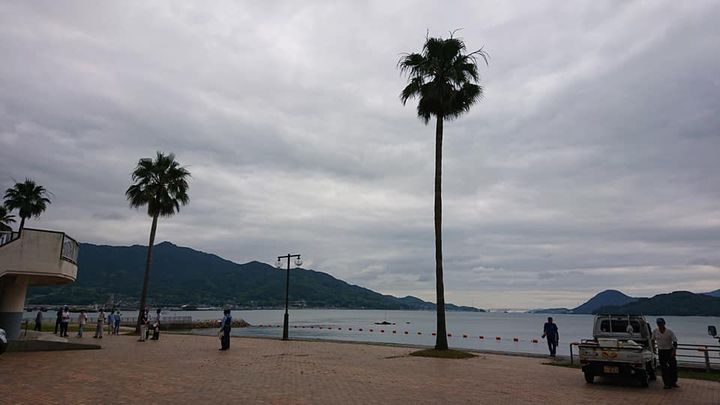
x,y
70,249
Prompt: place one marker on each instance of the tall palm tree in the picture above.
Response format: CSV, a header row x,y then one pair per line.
x,y
161,184
444,79
28,198
6,219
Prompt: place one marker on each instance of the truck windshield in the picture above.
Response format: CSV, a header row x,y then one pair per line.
x,y
619,326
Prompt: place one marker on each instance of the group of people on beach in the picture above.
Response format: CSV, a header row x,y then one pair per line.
x,y
146,327
62,322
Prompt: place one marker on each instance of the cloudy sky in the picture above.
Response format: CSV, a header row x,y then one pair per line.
x,y
591,163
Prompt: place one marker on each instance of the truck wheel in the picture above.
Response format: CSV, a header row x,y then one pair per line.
x,y
650,372
589,378
643,376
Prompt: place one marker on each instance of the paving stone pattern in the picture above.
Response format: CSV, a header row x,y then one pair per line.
x,y
189,369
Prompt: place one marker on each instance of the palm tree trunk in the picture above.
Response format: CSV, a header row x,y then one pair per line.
x,y
146,280
22,224
441,339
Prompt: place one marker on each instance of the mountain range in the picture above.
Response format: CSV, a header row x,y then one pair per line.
x,y
678,303
182,275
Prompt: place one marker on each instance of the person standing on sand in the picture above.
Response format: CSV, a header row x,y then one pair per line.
x,y
116,327
666,343
58,319
550,331
82,320
100,324
111,321
225,327
143,325
38,321
64,322
156,325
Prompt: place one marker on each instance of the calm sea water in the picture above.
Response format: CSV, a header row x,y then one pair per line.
x,y
507,326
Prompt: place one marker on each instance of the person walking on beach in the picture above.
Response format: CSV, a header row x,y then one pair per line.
x,y
550,331
143,325
64,322
58,319
666,343
82,320
38,321
156,325
225,327
100,324
116,326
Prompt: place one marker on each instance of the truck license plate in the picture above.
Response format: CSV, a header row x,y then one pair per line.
x,y
611,370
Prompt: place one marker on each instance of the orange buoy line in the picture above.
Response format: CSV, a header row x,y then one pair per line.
x,y
395,332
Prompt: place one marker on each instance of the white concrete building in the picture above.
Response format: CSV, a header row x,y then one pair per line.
x,y
32,257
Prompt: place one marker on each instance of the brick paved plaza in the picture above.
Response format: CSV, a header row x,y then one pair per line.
x,y
190,369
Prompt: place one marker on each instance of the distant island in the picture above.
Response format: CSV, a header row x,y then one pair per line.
x,y
678,303
184,276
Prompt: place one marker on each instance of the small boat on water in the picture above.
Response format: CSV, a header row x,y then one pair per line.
x,y
385,322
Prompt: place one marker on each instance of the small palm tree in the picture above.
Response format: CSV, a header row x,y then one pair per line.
x,y
444,79
6,219
28,198
161,185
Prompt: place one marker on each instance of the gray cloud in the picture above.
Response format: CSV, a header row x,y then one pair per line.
x,y
590,163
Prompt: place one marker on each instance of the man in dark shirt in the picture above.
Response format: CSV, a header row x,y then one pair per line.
x,y
550,331
58,319
225,326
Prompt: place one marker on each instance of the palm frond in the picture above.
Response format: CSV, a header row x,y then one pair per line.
x,y
442,77
160,184
29,198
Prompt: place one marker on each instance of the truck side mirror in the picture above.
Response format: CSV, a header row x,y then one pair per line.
x,y
712,331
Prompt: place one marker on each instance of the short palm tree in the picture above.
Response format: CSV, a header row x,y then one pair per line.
x,y
161,185
444,79
28,198
6,219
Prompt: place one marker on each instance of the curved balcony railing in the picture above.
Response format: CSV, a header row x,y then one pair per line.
x,y
70,249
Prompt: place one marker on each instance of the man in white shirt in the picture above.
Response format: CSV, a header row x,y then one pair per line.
x,y
666,343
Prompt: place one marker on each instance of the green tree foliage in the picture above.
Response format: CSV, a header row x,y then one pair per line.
x,y
28,198
6,219
159,184
443,77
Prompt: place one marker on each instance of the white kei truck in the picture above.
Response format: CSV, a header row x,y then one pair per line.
x,y
621,347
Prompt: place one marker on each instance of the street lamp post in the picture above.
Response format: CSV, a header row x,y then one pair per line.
x,y
298,262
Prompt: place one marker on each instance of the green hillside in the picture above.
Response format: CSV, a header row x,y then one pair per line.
x,y
182,275
678,303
